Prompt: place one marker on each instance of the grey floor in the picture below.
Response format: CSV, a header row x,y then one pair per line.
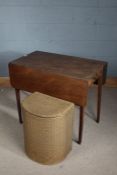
x,y
96,156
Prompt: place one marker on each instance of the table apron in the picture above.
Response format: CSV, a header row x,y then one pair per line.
x,y
64,87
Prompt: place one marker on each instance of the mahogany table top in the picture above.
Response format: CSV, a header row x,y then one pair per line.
x,y
75,67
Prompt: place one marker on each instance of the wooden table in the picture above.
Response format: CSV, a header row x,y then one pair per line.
x,y
61,76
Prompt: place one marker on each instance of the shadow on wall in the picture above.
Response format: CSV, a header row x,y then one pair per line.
x,y
5,58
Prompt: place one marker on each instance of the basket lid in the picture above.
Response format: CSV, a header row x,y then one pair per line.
x,y
43,105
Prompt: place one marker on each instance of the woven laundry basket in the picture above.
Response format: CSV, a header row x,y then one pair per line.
x,y
47,127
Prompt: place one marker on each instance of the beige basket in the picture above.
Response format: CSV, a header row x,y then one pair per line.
x,y
47,128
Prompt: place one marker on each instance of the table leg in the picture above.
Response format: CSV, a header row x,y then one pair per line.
x,y
17,92
99,94
81,122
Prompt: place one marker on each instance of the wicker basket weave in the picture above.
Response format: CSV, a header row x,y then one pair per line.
x,y
47,128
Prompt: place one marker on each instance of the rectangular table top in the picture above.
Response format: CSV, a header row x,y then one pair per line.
x,y
61,76
70,66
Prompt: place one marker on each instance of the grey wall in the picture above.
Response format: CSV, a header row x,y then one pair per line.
x,y
86,28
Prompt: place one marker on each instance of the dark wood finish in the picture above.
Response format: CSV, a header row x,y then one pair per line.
x,y
56,85
61,76
17,92
81,122
99,91
110,82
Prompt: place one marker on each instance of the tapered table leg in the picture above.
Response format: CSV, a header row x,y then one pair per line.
x,y
81,122
99,94
17,92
